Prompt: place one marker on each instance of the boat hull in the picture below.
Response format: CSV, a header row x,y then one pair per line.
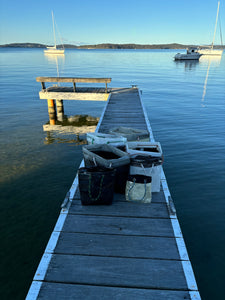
x,y
54,51
187,56
210,51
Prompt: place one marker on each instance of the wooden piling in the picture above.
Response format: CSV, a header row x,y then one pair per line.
x,y
51,111
60,110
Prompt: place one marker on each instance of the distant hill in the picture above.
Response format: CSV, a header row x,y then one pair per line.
x,y
133,46
98,46
105,46
23,45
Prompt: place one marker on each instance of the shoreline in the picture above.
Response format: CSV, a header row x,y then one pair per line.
x,y
106,46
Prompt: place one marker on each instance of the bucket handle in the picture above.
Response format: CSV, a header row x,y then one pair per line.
x,y
100,188
134,181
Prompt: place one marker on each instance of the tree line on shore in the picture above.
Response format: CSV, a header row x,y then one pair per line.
x,y
105,46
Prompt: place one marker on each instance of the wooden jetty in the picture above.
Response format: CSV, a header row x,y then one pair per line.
x,y
122,251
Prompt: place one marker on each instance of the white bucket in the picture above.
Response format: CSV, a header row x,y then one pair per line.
x,y
131,134
103,138
154,172
144,148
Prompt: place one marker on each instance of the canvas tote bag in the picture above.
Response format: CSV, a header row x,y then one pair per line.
x,y
138,188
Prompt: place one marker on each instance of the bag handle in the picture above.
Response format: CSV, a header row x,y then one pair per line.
x,y
134,181
145,170
162,158
94,160
100,188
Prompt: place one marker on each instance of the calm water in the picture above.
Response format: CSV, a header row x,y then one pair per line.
x,y
185,103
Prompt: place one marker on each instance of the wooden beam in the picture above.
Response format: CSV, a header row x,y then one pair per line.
x,y
73,79
74,96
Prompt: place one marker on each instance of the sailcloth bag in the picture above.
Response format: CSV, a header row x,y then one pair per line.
x,y
138,188
148,166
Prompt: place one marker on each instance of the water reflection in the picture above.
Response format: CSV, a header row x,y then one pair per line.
x,y
71,129
208,59
56,59
188,64
215,59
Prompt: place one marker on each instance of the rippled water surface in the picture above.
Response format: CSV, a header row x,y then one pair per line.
x,y
185,102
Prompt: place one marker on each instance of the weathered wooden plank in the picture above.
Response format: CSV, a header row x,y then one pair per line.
x,y
74,96
125,99
117,246
124,108
106,127
122,121
78,89
124,114
125,119
118,225
123,103
53,291
122,209
137,119
73,79
119,118
130,123
156,197
114,271
133,123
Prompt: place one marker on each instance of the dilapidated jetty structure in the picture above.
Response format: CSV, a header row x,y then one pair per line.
x,y
121,251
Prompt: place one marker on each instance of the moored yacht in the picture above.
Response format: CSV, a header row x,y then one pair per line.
x,y
209,50
54,49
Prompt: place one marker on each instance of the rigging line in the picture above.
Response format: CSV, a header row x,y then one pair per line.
x,y
216,23
59,34
221,37
53,22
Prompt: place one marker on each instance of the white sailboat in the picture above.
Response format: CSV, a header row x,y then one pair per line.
x,y
54,49
208,50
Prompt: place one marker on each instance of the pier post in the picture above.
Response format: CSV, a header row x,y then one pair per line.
x,y
51,111
60,110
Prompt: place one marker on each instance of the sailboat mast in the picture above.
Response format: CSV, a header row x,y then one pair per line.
x,y
53,22
216,23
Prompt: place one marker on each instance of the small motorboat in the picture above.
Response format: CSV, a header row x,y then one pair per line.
x,y
192,54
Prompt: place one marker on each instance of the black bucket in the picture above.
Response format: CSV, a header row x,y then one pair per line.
x,y
121,176
121,172
122,148
96,185
109,156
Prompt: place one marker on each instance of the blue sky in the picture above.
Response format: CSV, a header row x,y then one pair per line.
x,y
117,21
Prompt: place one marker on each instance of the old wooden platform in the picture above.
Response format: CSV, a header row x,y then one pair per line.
x,y
58,92
123,251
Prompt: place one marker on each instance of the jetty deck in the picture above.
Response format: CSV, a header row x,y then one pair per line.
x,y
122,251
